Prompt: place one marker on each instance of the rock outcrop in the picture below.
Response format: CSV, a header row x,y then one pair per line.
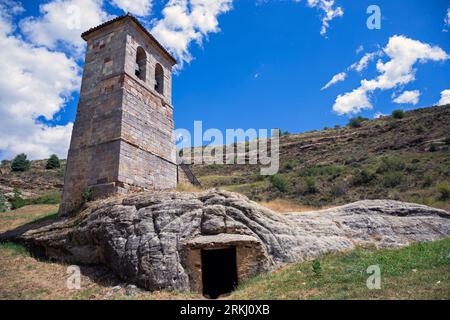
x,y
155,239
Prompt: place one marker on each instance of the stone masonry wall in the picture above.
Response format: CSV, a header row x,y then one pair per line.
x,y
122,136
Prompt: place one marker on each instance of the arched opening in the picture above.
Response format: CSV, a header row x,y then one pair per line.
x,y
159,79
141,63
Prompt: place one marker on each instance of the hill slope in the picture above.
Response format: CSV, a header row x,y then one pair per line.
x,y
401,159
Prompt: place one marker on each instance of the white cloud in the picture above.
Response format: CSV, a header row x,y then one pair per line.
x,y
34,82
364,61
404,54
329,12
359,49
188,20
137,7
447,21
411,97
445,97
63,21
336,78
378,115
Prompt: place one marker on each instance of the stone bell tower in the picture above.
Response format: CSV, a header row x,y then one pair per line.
x,y
122,137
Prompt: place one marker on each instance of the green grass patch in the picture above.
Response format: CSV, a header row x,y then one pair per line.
x,y
419,271
14,249
47,198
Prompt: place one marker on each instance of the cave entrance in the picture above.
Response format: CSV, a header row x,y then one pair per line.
x,y
219,271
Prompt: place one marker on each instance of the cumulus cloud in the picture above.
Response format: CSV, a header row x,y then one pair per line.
x,y
445,97
329,12
411,97
34,82
403,54
336,78
62,22
137,7
185,21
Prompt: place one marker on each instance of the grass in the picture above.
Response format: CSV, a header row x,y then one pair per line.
x,y
46,198
419,271
13,219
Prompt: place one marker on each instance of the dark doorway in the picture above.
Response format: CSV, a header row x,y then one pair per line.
x,y
219,271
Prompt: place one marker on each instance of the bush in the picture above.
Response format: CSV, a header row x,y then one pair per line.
x,y
363,177
87,194
17,200
317,268
420,129
20,163
356,122
447,141
279,182
2,203
390,164
393,179
398,114
433,148
311,185
288,165
53,162
444,191
427,181
338,190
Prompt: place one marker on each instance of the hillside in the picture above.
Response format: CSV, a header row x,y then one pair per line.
x,y
404,159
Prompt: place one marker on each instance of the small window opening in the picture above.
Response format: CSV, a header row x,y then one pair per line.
x,y
141,63
159,79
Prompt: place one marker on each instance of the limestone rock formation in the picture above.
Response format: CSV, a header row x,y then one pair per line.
x,y
155,240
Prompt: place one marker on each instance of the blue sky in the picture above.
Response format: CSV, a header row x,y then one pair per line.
x,y
260,64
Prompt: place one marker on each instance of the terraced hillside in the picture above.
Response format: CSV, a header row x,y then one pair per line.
x,y
404,159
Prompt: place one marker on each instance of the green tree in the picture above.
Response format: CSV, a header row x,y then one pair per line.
x,y
356,122
53,162
20,163
398,114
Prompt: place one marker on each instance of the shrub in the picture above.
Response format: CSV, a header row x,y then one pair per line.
x,y
311,185
279,182
447,141
2,203
87,194
427,181
398,114
17,200
444,191
288,165
432,148
20,163
393,179
356,122
53,162
420,129
363,177
338,190
317,268
390,164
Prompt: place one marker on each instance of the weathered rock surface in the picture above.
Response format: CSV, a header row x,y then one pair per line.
x,y
146,238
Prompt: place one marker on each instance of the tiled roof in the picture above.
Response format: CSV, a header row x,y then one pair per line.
x,y
133,18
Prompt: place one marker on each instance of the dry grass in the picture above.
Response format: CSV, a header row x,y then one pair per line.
x,y
13,219
187,187
24,277
285,206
